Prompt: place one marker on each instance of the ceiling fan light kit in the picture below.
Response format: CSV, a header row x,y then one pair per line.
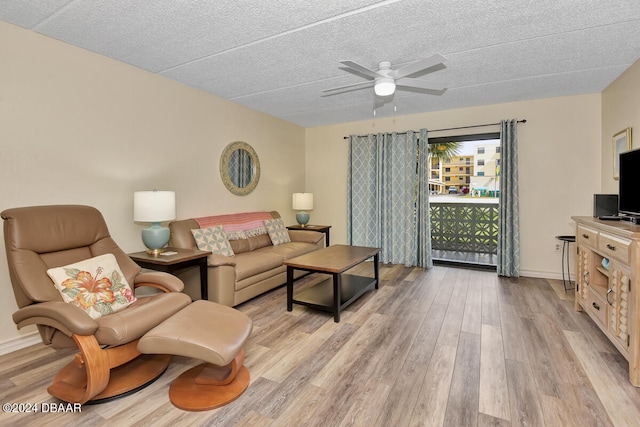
x,y
384,86
386,79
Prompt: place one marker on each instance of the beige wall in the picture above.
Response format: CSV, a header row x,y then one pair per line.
x,y
79,128
620,110
560,164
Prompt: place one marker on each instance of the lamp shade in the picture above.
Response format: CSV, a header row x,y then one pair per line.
x,y
154,206
302,201
384,86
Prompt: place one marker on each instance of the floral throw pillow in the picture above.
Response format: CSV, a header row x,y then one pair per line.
x,y
277,231
96,285
213,239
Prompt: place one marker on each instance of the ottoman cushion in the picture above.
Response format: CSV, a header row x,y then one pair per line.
x,y
203,330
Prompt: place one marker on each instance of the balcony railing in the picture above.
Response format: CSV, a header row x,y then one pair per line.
x,y
461,229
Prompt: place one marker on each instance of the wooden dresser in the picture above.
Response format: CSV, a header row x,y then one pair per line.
x,y
609,293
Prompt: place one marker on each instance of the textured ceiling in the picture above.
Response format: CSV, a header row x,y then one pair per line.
x,y
277,56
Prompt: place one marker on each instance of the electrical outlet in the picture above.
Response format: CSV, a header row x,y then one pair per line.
x,y
557,247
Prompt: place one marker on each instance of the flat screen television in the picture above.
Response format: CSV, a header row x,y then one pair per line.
x,y
629,182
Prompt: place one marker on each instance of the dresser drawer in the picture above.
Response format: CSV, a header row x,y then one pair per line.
x,y
614,247
587,236
597,306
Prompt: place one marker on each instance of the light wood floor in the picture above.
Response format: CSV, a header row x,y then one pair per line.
x,y
446,346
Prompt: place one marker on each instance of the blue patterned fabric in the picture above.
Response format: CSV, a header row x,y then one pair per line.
x,y
422,206
509,211
381,203
240,168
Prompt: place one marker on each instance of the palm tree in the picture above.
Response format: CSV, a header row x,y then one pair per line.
x,y
444,150
441,152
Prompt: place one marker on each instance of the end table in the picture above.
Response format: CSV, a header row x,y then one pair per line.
x,y
321,228
171,262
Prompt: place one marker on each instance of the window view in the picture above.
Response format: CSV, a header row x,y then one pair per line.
x,y
464,199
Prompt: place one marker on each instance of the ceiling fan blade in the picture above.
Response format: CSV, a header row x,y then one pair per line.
x,y
409,83
347,88
417,66
361,70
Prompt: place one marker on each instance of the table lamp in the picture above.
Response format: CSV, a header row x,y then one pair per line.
x,y
154,207
302,202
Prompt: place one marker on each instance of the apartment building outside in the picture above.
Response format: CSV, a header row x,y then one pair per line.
x,y
485,181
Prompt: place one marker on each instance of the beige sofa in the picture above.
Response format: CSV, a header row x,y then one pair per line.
x,y
256,265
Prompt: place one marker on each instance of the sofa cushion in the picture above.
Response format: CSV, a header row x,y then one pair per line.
x,y
240,246
213,239
291,249
257,242
277,231
255,262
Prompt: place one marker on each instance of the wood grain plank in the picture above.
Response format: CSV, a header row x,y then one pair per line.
x,y
398,408
450,331
524,400
288,355
365,408
514,346
494,391
432,400
618,405
368,337
462,405
490,311
472,317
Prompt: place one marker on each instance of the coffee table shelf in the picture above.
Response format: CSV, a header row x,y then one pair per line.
x,y
320,296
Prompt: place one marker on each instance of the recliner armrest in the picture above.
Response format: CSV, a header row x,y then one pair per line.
x,y
159,279
67,318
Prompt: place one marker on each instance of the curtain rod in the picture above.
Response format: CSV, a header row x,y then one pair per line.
x,y
461,127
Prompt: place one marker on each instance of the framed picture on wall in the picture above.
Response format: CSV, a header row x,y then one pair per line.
x,y
621,143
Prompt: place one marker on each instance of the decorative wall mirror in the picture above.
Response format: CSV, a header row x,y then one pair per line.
x,y
239,168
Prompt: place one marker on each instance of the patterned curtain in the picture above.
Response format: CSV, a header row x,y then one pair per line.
x,y
382,184
422,204
240,168
508,224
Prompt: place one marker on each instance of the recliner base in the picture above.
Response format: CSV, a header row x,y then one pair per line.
x,y
185,393
70,384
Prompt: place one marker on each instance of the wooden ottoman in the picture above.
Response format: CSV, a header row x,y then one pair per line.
x,y
210,332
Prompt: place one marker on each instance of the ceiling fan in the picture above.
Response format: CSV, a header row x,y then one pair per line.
x,y
385,80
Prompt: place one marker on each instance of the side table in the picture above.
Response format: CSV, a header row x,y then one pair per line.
x,y
321,228
181,259
566,266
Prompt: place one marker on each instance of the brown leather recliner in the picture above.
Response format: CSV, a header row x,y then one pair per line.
x,y
109,362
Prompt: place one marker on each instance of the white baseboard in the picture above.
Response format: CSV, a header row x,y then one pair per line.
x,y
19,343
543,274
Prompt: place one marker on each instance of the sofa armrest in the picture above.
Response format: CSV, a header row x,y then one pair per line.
x,y
158,279
306,236
216,260
65,317
181,236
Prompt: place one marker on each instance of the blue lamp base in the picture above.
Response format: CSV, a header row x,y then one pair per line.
x,y
155,238
303,218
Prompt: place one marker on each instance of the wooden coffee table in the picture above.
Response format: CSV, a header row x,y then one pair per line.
x,y
337,292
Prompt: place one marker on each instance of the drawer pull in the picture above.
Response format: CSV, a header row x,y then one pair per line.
x,y
611,247
596,306
586,236
608,292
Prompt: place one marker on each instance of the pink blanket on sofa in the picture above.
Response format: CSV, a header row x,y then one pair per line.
x,y
235,222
